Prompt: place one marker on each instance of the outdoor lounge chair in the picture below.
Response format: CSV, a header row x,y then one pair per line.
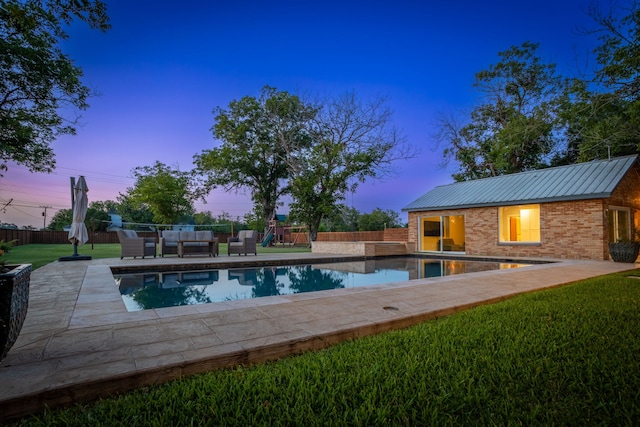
x,y
245,243
133,246
168,242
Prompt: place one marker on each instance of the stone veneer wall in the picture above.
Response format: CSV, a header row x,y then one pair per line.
x,y
570,229
368,249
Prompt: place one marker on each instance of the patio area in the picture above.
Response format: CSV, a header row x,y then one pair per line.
x,y
79,342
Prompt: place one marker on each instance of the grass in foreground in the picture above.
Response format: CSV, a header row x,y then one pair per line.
x,y
40,254
567,356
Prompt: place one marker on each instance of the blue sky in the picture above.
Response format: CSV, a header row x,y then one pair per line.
x,y
164,66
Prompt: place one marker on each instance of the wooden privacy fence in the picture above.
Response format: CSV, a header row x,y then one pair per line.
x,y
396,235
26,237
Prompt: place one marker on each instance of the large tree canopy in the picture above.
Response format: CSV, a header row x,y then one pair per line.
x,y
351,140
40,87
604,120
531,118
618,54
280,144
518,124
167,192
255,132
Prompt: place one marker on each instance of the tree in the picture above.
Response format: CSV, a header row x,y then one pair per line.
x,y
619,52
168,192
38,82
95,220
605,119
106,206
223,222
343,218
254,132
519,124
254,222
600,126
280,144
60,219
131,211
350,140
203,218
379,219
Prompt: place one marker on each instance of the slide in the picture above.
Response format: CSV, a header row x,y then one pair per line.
x,y
267,239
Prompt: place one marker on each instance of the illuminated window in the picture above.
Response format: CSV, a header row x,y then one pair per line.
x,y
619,224
519,223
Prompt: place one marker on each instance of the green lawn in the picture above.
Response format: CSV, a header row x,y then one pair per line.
x,y
566,356
39,254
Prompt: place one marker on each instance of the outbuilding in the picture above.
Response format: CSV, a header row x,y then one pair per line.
x,y
569,212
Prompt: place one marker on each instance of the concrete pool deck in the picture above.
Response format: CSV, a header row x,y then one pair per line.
x,y
79,343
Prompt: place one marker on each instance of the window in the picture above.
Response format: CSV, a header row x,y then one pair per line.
x,y
519,224
442,233
619,224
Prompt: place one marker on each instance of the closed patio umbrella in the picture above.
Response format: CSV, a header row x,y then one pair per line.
x,y
78,234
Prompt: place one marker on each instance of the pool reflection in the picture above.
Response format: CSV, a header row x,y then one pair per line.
x,y
143,291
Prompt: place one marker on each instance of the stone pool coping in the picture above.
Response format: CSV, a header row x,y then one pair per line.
x,y
77,344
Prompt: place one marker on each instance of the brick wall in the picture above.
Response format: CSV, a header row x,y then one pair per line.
x,y
570,229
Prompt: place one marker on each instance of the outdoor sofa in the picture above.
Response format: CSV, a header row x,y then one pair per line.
x,y
188,242
244,243
133,246
450,245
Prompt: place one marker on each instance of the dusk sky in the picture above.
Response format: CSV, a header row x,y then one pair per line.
x,y
165,65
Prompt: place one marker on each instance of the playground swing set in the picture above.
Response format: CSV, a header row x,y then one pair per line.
x,y
282,233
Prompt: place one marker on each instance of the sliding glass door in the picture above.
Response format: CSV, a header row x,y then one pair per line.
x,y
442,234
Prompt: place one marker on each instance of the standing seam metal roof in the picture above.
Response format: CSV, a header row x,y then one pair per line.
x,y
590,180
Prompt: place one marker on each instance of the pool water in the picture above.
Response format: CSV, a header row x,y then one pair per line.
x,y
145,291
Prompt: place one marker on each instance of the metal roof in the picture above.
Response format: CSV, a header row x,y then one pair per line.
x,y
591,180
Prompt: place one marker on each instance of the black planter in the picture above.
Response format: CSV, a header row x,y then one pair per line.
x,y
14,299
624,251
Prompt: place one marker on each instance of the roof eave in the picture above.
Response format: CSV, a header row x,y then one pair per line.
x,y
571,198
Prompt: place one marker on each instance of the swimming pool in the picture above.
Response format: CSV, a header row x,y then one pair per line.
x,y
150,290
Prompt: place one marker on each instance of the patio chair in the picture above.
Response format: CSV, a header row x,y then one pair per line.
x,y
244,276
133,246
245,243
169,242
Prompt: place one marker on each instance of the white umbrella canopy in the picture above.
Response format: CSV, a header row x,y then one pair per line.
x,y
78,234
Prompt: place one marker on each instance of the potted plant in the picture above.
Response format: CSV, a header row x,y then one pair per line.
x,y
625,250
14,298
